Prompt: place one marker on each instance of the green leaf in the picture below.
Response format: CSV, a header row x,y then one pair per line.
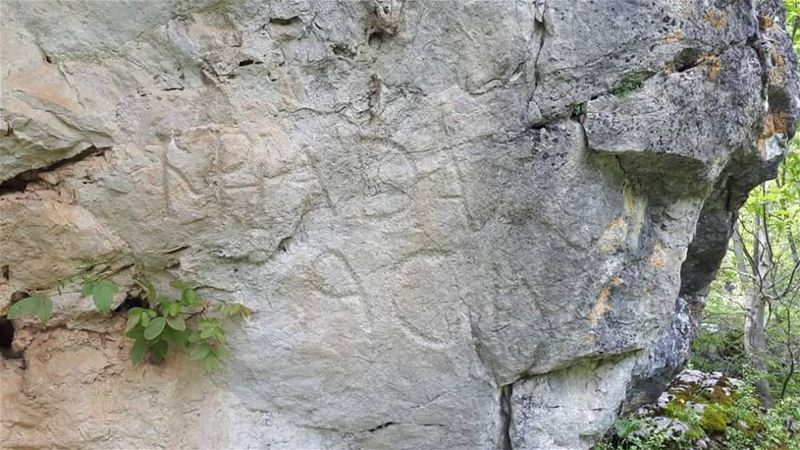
x,y
160,350
45,309
150,290
245,312
86,290
155,328
147,315
200,352
194,337
178,284
179,338
138,350
211,363
36,304
221,352
136,310
25,307
234,309
136,333
177,323
166,305
133,320
210,328
173,309
190,298
103,294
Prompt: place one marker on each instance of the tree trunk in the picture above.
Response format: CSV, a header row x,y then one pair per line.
x,y
755,341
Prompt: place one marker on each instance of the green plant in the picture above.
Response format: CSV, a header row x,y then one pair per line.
x,y
676,409
578,109
635,434
185,322
627,428
714,418
102,293
626,85
37,304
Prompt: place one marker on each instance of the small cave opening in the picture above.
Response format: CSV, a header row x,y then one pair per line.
x,y
7,339
248,62
376,38
131,301
687,59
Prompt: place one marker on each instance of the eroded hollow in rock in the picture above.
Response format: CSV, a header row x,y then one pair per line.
x,y
19,182
131,301
7,339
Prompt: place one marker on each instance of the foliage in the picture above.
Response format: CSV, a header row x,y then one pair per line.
x,y
627,85
102,293
629,434
185,322
793,22
769,221
38,304
578,109
736,424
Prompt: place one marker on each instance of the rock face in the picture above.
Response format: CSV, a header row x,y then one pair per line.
x,y
461,224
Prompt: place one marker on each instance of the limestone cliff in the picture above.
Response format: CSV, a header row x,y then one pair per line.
x,y
475,224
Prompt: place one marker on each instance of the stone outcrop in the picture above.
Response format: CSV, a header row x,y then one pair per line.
x,y
460,224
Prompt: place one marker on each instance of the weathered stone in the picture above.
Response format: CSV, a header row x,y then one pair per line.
x,y
480,224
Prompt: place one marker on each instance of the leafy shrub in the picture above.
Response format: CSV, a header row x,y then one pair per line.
x,y
738,424
186,322
714,418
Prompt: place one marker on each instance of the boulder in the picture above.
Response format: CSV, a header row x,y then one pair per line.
x,y
460,224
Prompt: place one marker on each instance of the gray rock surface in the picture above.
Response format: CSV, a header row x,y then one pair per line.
x,y
460,224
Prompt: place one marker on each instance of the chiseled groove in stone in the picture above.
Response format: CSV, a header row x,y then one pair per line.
x,y
547,256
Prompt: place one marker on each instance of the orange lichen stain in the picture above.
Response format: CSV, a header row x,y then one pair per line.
x,y
601,305
614,235
765,22
675,36
657,258
774,123
714,65
761,145
718,19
